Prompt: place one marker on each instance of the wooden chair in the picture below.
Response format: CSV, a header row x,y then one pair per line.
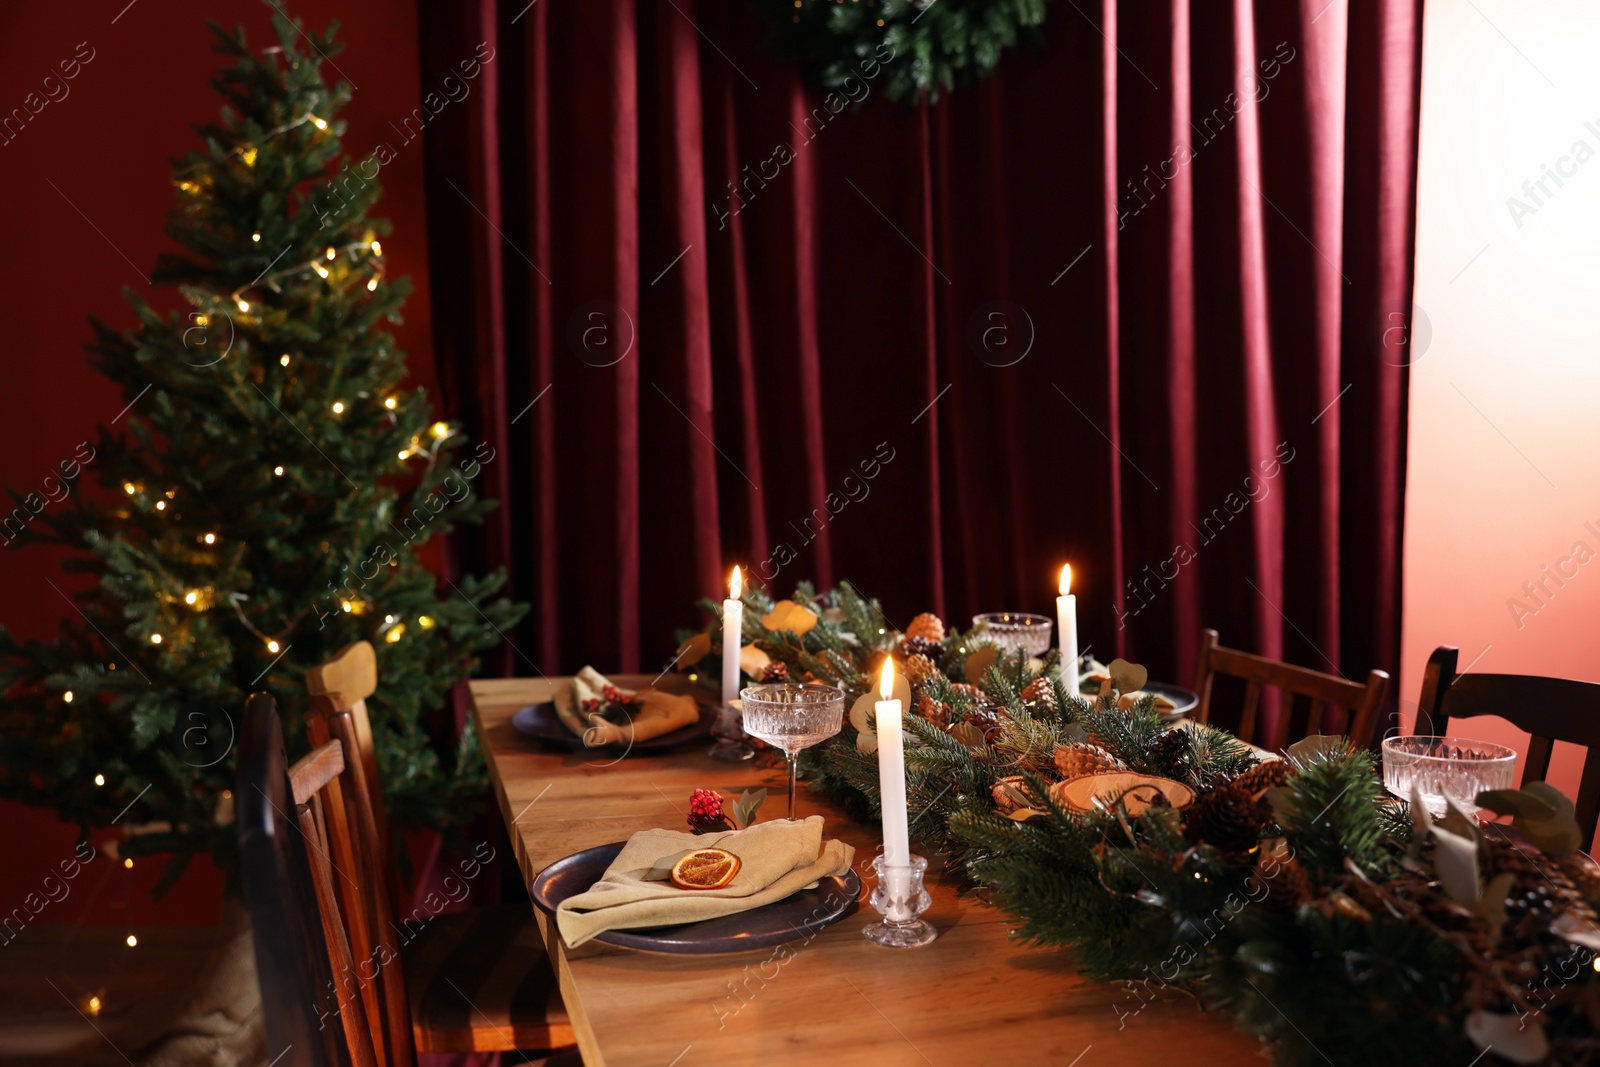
x,y
286,886
478,980
1358,703
1549,709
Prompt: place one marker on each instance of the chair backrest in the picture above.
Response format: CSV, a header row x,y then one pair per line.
x,y
1322,694
341,686
358,836
1549,709
283,889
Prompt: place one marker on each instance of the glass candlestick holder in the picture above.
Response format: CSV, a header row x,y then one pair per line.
x,y
728,728
900,898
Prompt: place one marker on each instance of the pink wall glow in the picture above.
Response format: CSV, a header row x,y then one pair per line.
x,y
1504,476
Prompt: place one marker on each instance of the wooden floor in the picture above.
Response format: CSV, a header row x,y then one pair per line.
x,y
49,973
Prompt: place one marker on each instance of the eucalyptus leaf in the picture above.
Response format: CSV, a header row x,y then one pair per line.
x,y
1455,861
1281,800
979,662
1541,812
1511,1037
1524,803
1317,747
861,716
742,812
1459,822
663,867
1556,798
1421,818
1494,899
1578,929
1127,677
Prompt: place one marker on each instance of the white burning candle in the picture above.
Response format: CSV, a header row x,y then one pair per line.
x,y
892,773
732,638
1067,624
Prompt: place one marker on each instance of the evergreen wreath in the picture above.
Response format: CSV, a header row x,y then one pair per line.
x,y
1326,918
922,46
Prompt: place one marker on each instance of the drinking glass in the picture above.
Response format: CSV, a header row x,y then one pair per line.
x,y
793,716
1012,630
1441,767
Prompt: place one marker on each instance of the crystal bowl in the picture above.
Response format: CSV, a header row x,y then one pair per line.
x,y
1012,630
1440,767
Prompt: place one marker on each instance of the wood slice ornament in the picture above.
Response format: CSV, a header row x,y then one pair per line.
x,y
1138,793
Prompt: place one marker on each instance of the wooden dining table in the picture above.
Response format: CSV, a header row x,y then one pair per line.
x,y
973,996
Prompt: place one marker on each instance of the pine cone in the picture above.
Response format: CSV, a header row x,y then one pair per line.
x,y
935,711
986,720
1078,759
1288,885
921,646
920,670
926,626
1225,818
1172,752
1040,695
1263,776
1011,794
776,671
1539,892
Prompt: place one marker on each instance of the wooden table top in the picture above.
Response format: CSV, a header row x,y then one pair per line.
x,y
971,997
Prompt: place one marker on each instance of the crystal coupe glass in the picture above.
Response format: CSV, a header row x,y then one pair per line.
x,y
793,716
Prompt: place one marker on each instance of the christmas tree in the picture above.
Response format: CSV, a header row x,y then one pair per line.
x,y
267,493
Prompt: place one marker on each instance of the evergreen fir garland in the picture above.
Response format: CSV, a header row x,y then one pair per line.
x,y
909,47
1326,918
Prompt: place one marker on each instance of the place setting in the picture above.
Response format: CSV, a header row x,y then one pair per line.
x,y
592,714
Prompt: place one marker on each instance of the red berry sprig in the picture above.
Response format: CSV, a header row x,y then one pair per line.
x,y
705,808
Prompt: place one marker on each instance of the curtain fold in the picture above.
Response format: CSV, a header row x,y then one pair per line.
x,y
1119,305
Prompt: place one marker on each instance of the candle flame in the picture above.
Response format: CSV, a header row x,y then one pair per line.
x,y
1066,578
886,679
735,585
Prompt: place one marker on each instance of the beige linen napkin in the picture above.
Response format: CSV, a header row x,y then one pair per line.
x,y
661,714
776,859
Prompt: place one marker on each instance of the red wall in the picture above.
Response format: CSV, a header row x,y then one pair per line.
x,y
85,188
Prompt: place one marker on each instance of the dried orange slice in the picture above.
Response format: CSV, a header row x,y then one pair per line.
x,y
705,868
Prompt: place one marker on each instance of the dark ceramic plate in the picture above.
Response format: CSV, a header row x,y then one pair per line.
x,y
795,916
1185,699
540,722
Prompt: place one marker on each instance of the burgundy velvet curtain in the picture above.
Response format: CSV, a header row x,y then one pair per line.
x,y
1137,302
